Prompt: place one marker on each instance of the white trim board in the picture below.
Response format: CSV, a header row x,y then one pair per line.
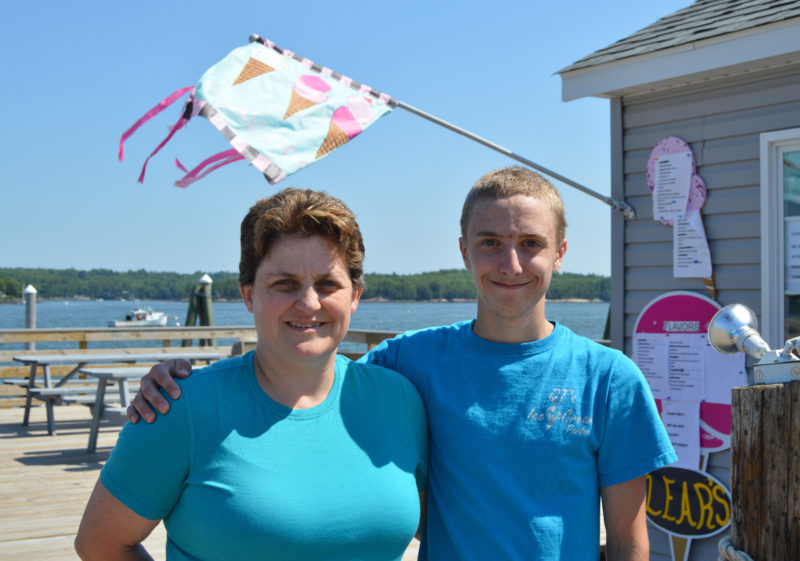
x,y
772,146
755,49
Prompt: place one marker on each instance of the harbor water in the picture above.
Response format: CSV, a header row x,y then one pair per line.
x,y
585,318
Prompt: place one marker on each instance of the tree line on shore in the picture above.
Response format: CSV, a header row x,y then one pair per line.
x,y
450,284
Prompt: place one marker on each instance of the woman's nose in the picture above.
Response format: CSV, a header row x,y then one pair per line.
x,y
308,299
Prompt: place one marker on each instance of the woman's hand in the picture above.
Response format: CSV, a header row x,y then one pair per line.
x,y
149,395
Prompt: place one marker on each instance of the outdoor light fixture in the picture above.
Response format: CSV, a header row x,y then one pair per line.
x,y
734,329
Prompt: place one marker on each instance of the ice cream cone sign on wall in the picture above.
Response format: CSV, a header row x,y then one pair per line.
x,y
678,197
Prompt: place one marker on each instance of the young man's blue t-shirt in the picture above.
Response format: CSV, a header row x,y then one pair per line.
x,y
522,438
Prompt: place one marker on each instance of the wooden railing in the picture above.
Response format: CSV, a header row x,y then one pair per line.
x,y
84,336
137,340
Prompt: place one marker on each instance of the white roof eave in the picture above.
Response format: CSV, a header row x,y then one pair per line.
x,y
754,49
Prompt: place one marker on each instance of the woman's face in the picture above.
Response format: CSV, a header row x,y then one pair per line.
x,y
301,299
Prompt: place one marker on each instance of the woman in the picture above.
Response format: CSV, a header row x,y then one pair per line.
x,y
290,451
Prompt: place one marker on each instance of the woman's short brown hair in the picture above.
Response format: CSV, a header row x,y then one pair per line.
x,y
300,212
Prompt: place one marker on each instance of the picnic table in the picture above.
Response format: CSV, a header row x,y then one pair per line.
x,y
51,393
121,375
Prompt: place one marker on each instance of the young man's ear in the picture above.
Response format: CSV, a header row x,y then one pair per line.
x,y
560,256
462,246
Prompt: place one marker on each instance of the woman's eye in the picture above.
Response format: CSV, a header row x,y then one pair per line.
x,y
329,285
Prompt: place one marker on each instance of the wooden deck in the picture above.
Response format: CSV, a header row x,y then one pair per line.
x,y
45,482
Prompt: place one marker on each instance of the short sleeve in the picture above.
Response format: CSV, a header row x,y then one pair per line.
x,y
634,440
384,354
409,354
149,465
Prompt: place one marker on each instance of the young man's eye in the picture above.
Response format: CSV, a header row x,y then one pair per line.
x,y
489,242
532,243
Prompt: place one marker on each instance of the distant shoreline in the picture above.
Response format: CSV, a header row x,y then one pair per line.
x,y
462,300
376,300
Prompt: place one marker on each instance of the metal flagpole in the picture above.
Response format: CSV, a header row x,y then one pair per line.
x,y
623,207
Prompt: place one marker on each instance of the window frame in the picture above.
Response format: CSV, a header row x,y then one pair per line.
x,y
773,289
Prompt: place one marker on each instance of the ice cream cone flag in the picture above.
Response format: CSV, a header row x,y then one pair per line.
x,y
279,110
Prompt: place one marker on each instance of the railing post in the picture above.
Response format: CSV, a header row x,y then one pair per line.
x,y
765,485
30,313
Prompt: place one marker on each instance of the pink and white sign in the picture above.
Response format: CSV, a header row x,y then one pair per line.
x,y
671,348
691,383
677,312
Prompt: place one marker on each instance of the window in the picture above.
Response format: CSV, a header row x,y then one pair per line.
x,y
780,236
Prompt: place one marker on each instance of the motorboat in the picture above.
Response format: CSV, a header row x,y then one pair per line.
x,y
141,317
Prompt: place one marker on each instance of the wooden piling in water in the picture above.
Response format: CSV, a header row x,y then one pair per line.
x,y
200,309
765,471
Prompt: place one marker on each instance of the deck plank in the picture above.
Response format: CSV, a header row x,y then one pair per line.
x,y
45,482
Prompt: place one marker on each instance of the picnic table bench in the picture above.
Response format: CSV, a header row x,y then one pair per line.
x,y
58,390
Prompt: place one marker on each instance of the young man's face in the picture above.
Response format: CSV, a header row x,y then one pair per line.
x,y
512,251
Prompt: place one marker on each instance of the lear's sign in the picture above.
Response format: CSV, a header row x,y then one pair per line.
x,y
687,503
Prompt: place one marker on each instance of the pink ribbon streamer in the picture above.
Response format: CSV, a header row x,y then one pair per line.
x,y
160,106
178,126
226,157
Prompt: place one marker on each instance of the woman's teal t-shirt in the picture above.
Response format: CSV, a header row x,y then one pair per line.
x,y
236,475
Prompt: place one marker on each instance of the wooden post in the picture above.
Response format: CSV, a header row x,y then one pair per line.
x,y
765,471
204,303
200,310
30,313
191,317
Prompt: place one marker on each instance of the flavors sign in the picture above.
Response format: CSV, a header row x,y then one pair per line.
x,y
687,503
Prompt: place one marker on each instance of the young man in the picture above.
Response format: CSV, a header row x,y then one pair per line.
x,y
531,425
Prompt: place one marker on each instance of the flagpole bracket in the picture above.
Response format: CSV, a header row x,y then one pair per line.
x,y
624,208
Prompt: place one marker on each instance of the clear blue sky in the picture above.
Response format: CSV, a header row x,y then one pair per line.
x,y
77,74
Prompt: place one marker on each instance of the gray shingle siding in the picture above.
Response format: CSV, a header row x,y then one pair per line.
x,y
705,19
